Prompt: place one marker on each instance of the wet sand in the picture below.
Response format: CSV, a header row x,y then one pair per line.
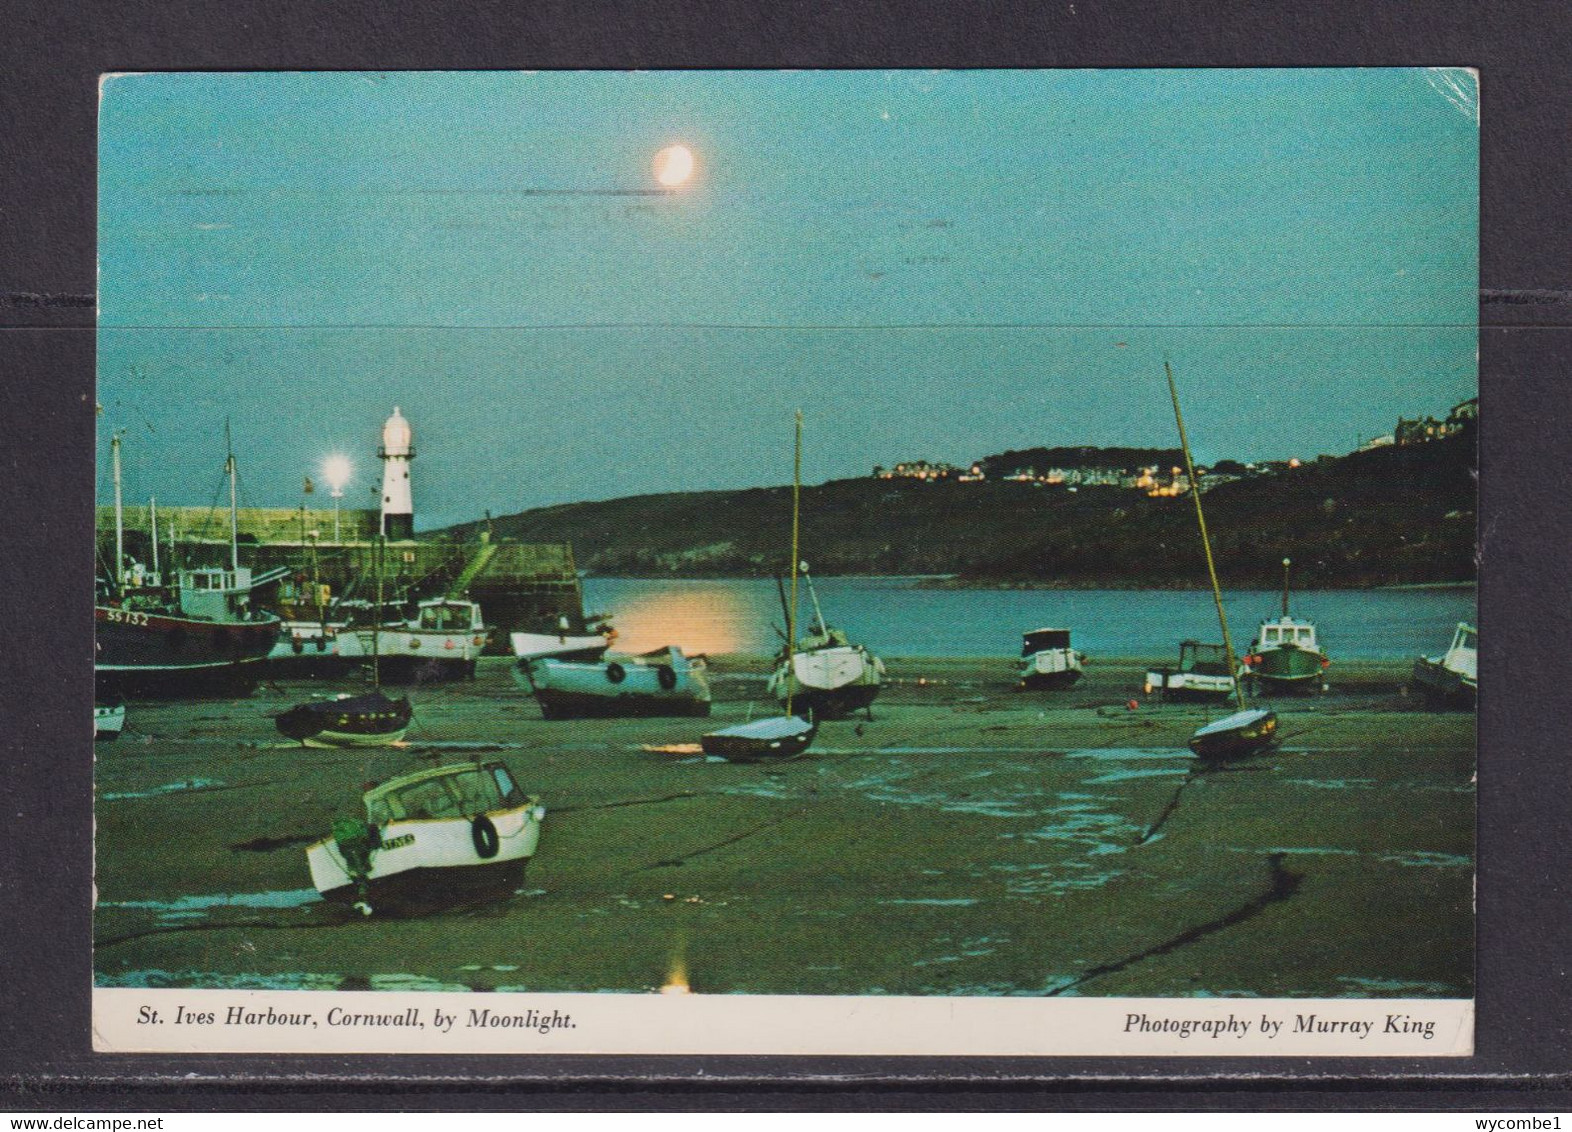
x,y
969,840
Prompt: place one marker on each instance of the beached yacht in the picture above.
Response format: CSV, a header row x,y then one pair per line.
x,y
824,673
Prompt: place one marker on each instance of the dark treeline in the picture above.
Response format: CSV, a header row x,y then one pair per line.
x,y
1388,516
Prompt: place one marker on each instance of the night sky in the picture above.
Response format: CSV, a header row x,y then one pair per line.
x,y
931,265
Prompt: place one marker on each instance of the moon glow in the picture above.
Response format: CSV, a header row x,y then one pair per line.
x,y
673,165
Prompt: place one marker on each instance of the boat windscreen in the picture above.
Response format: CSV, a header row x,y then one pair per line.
x,y
1045,639
461,794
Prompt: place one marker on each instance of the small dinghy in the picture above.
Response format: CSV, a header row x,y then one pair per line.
x,y
109,719
429,839
1236,736
371,720
778,737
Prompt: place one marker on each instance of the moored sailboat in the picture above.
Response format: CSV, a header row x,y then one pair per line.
x,y
368,720
788,735
1248,731
824,673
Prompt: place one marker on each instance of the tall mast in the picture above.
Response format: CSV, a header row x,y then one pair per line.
x,y
152,522
1206,543
234,510
791,613
376,618
1285,587
120,519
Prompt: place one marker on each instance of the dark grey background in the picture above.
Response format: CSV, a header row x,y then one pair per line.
x,y
50,58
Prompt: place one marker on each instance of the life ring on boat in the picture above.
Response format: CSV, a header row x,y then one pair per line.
x,y
666,677
616,673
484,835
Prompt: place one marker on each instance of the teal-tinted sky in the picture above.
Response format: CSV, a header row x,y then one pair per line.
x,y
935,265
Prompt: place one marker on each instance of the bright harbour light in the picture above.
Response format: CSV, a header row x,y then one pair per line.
x,y
336,471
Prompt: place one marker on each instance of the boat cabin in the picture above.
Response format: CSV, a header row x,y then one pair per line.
x,y
444,616
1463,655
1286,633
1041,640
214,593
1203,659
462,790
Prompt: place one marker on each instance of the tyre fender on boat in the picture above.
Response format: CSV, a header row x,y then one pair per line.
x,y
616,673
484,834
666,677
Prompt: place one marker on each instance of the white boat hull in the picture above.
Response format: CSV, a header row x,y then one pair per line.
x,y
1051,668
108,722
431,858
563,646
626,686
829,681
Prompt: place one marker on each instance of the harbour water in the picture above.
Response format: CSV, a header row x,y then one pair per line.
x,y
912,617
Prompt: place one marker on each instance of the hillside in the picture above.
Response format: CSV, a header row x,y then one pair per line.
x,y
1389,516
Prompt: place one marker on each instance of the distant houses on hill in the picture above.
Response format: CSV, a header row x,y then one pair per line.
x,y
1153,471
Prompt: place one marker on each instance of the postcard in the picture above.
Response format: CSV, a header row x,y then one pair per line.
x,y
815,562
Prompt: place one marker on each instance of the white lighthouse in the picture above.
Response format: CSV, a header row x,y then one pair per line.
x,y
398,504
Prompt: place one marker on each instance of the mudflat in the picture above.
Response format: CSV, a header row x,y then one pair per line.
x,y
969,839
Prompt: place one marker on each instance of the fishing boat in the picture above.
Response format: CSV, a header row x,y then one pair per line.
x,y
1248,731
109,719
824,673
565,644
1048,660
430,838
662,682
787,735
369,720
441,641
1285,655
312,648
316,637
200,636
1451,679
1201,674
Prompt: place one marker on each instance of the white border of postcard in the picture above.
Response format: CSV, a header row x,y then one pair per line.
x,y
129,1020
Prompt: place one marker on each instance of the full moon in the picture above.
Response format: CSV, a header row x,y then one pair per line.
x,y
673,165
